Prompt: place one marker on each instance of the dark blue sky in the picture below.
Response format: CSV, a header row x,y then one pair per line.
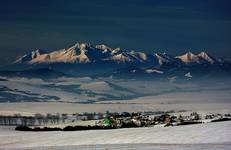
x,y
172,26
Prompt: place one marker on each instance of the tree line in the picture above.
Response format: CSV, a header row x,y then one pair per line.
x,y
37,119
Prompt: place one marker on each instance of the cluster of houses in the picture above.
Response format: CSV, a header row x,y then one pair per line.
x,y
165,119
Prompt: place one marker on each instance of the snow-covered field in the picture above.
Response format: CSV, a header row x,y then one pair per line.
x,y
29,108
136,147
202,136
68,90
89,90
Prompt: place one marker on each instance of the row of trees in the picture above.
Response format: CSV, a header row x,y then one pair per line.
x,y
40,119
37,119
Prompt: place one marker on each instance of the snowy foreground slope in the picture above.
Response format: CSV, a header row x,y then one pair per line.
x,y
201,136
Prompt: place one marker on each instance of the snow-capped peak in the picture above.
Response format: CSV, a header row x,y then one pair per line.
x,y
140,56
80,46
76,53
189,58
84,45
103,47
122,57
206,57
161,58
36,53
28,57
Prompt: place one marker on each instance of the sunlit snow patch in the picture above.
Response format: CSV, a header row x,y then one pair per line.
x,y
153,71
188,75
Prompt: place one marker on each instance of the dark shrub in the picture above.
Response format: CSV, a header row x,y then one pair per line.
x,y
221,119
129,125
190,122
23,128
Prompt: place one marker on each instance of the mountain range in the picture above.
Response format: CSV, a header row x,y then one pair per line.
x,y
83,53
85,73
84,59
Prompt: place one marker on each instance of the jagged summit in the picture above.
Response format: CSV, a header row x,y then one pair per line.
x,y
200,58
206,57
162,58
37,53
30,56
80,45
189,57
103,47
141,56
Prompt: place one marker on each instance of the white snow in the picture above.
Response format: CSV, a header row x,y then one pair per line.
x,y
202,57
104,47
161,59
96,86
142,57
87,53
75,53
154,70
208,133
188,75
136,105
79,53
22,84
189,58
206,57
121,58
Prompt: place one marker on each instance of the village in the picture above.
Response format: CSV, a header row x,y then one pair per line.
x,y
107,120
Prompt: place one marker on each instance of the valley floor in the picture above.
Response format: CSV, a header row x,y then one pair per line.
x,y
206,136
201,136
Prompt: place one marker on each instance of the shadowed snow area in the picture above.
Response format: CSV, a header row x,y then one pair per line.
x,y
90,90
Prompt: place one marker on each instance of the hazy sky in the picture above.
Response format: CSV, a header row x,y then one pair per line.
x,y
172,26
